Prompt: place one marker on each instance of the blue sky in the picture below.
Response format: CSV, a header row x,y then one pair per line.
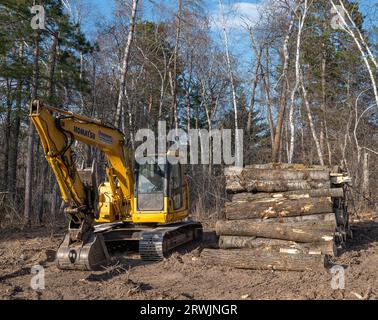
x,y
239,40
247,8
106,6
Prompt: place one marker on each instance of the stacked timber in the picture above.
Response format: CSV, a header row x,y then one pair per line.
x,y
280,216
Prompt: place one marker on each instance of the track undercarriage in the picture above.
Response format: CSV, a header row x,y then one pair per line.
x,y
154,242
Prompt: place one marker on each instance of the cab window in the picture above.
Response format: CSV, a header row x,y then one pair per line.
x,y
176,186
150,187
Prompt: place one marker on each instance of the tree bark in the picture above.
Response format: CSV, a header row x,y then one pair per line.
x,y
324,128
365,174
15,132
284,174
175,59
311,122
258,54
293,166
240,185
125,64
297,194
49,93
274,208
53,203
257,260
276,245
267,178
232,83
266,84
320,217
281,112
52,65
361,44
309,231
31,138
6,141
296,85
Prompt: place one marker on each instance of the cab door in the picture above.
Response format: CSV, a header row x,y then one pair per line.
x,y
150,187
175,186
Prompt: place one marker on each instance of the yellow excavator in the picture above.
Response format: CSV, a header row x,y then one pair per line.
x,y
144,204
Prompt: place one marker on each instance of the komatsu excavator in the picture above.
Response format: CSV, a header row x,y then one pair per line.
x,y
145,204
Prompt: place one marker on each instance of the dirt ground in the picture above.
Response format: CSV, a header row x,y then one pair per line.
x,y
184,275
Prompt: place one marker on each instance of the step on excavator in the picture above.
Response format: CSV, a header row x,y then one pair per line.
x,y
141,205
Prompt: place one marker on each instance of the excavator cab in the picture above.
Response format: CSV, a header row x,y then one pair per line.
x,y
161,191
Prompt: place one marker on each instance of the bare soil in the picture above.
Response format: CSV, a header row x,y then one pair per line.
x,y
184,275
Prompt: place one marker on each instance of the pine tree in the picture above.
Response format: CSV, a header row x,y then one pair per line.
x,y
42,64
257,143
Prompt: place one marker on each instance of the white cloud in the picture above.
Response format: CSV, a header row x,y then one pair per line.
x,y
236,15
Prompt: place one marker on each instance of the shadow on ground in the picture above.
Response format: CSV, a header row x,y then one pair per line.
x,y
17,273
364,234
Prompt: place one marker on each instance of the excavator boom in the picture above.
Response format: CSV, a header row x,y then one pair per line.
x,y
58,129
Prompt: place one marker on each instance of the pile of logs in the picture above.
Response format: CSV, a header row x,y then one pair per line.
x,y
281,217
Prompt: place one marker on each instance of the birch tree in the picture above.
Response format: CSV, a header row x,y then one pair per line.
x,y
301,20
357,37
31,137
125,64
173,78
283,78
231,77
310,120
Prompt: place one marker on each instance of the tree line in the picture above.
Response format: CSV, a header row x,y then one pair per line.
x,y
308,95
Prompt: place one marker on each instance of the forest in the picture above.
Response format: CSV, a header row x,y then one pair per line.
x,y
291,83
303,91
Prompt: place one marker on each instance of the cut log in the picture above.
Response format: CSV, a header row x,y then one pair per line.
x,y
233,186
237,242
293,166
255,259
233,183
276,178
296,194
327,217
284,174
340,179
239,184
232,242
309,231
277,207
280,186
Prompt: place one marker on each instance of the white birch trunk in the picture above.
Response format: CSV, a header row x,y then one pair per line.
x,y
301,20
365,174
360,43
125,63
311,122
231,76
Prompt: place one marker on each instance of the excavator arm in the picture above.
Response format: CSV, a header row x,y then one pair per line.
x,y
58,129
